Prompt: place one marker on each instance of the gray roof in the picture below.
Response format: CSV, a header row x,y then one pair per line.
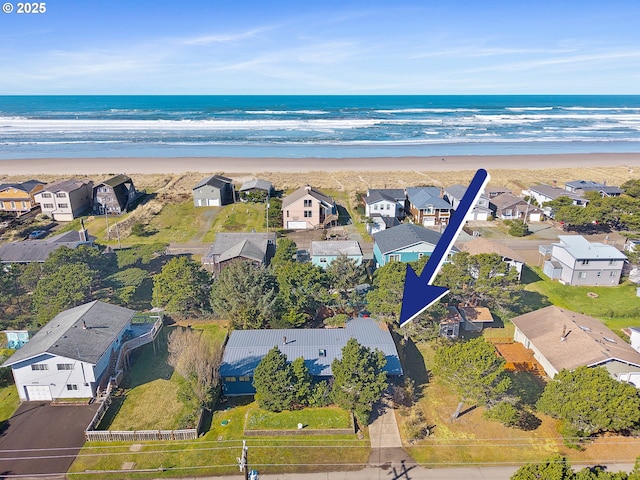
x,y
216,181
24,186
66,185
29,251
336,247
555,192
589,185
304,191
240,244
257,184
587,341
389,194
246,348
116,180
456,191
422,197
581,248
66,337
403,236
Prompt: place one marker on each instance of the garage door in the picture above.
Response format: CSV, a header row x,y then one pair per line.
x,y
38,392
296,225
213,202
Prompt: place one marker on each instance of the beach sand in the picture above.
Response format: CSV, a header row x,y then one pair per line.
x,y
347,174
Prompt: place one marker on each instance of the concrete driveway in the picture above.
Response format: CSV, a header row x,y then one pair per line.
x,y
43,439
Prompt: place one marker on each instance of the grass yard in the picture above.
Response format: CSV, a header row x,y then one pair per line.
x,y
311,418
617,306
238,217
9,401
471,439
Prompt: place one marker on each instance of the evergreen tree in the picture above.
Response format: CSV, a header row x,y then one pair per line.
x,y
302,381
274,382
181,287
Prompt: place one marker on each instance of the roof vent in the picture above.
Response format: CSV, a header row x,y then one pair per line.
x,y
84,325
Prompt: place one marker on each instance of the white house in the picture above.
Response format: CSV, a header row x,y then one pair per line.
x,y
635,338
481,210
386,202
562,339
70,355
66,199
576,261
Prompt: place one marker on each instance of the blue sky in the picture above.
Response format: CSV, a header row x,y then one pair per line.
x,y
323,47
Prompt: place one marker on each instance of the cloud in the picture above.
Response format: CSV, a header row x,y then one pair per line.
x,y
225,37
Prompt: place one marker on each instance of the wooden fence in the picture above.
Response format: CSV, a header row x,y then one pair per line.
x,y
140,435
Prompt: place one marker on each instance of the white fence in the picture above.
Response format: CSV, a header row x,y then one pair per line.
x,y
140,435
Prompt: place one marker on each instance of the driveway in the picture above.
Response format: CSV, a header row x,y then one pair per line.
x,y
43,439
386,444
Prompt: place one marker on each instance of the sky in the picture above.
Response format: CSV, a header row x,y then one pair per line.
x,y
322,47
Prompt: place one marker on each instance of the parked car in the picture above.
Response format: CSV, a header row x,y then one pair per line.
x,y
37,234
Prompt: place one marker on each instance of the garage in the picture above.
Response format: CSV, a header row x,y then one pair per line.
x,y
38,392
297,225
213,202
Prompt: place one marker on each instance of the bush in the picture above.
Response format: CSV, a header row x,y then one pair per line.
x,y
505,413
337,320
517,228
415,426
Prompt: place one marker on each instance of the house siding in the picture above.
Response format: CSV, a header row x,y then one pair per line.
x,y
316,260
520,337
595,273
295,212
14,200
65,206
409,254
383,207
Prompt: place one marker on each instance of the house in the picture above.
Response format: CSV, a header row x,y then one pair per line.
x,y
16,338
71,354
114,196
507,206
19,198
323,253
481,210
480,245
214,191
581,186
256,189
318,346
562,339
492,191
404,243
377,223
308,208
426,206
546,193
258,248
66,199
576,261
474,319
450,324
29,251
634,338
386,202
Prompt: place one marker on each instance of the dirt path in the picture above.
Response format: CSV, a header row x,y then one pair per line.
x,y
207,220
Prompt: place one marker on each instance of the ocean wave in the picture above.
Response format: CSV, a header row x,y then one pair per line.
x,y
286,112
526,109
426,110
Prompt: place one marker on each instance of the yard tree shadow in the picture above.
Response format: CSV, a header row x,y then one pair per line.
x,y
147,366
413,364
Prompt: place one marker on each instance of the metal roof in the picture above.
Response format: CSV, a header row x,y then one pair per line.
x,y
580,248
393,195
65,186
24,186
257,184
65,336
216,181
28,251
116,180
246,348
336,247
589,185
252,245
403,236
555,192
423,197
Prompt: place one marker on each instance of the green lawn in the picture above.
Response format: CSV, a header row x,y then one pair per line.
x,y
311,418
616,306
9,401
238,217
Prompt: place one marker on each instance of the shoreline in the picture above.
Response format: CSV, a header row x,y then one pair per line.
x,y
257,165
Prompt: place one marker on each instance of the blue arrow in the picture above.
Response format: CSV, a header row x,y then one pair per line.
x,y
419,294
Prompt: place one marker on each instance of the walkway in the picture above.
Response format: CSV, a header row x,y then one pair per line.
x,y
386,444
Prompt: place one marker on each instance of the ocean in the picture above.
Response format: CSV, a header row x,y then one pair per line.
x,y
315,126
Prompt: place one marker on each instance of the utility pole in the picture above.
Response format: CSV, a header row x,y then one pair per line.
x,y
106,217
118,234
242,461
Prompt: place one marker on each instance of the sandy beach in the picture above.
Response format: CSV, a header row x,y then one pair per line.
x,y
96,166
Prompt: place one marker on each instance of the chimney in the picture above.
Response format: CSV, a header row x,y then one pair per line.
x,y
307,188
284,340
84,235
84,325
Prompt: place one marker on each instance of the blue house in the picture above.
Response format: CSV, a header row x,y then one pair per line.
x,y
404,243
318,346
323,253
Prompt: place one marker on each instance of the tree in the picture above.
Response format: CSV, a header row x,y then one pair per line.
x,y
181,287
274,381
302,381
246,294
301,287
631,188
517,228
197,359
571,395
474,370
67,287
344,274
285,253
385,297
555,468
274,213
358,379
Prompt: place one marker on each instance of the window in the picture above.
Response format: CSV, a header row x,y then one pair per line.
x,y
63,205
61,195
612,262
2,205
429,210
582,275
244,379
39,366
230,379
46,195
287,213
375,207
308,214
323,260
584,262
394,257
613,274
72,386
598,274
47,205
322,352
13,205
24,204
65,366
307,203
388,206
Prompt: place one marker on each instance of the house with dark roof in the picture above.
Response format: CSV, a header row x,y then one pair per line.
x,y
257,248
480,211
214,191
479,245
256,189
404,243
507,206
563,339
308,208
325,252
114,196
580,187
546,193
495,190
576,261
65,200
19,198
70,355
427,207
377,223
317,346
386,202
29,251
